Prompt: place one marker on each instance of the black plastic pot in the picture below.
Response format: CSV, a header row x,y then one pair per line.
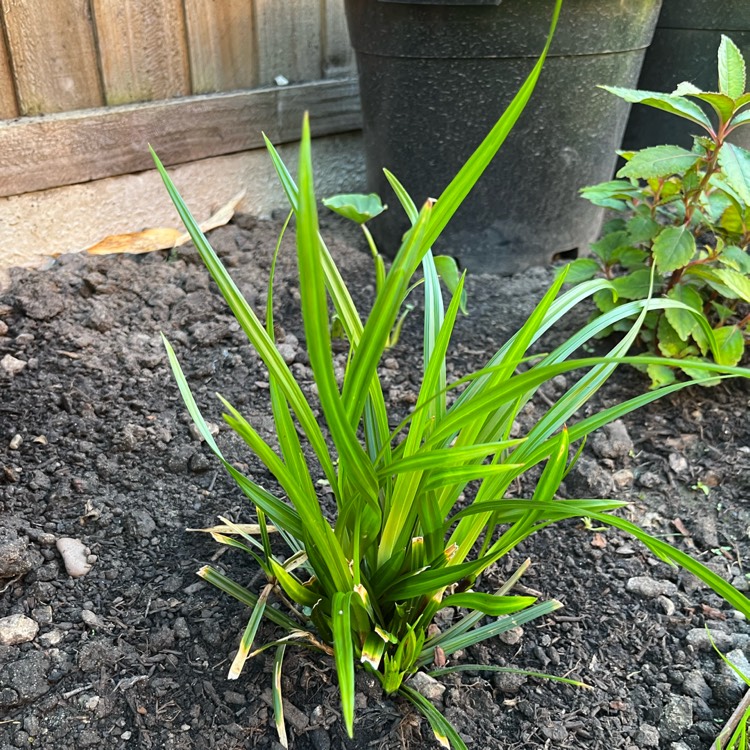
x,y
684,48
436,75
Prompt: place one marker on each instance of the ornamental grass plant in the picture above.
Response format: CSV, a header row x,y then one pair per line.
x,y
364,585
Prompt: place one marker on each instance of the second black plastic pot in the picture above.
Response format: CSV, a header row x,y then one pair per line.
x,y
434,78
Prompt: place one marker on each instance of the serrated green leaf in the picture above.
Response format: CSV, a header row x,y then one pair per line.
x,y
613,194
676,105
673,248
606,248
605,300
634,285
742,118
581,269
731,69
642,228
739,283
736,258
632,258
730,345
723,312
735,164
683,321
357,207
660,375
670,344
722,104
659,161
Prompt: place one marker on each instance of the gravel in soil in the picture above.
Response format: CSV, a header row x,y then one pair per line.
x,y
108,639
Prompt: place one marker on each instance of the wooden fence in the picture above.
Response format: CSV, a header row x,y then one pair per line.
x,y
86,84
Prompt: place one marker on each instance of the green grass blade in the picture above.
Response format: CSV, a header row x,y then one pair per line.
x,y
317,330
344,654
278,700
252,327
443,730
281,514
246,644
507,670
244,596
489,604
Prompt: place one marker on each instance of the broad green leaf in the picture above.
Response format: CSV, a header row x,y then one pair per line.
x,y
669,342
447,270
580,270
735,163
731,69
634,285
343,651
607,247
632,258
743,118
676,105
661,375
710,276
732,220
722,104
738,282
642,228
683,321
723,312
673,248
736,258
613,194
730,345
659,161
357,207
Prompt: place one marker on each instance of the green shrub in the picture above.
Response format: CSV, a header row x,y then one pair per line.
x,y
365,586
686,215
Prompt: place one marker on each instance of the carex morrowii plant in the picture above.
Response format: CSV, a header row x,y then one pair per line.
x,y
365,585
686,213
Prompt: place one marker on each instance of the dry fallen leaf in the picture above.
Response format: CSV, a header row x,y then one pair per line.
x,y
161,238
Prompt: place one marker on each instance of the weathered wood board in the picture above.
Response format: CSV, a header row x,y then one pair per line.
x,y
44,152
289,40
221,41
53,56
142,50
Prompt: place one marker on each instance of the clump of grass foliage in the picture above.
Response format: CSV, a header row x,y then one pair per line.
x,y
366,585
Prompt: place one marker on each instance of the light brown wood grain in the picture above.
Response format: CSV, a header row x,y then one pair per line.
x,y
142,49
289,40
221,45
8,106
52,53
338,55
44,152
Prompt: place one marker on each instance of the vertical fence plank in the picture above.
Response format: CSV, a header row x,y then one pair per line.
x,y
221,45
8,107
142,49
338,55
289,40
52,54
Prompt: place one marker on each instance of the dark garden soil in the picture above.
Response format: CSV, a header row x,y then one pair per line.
x,y
95,445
